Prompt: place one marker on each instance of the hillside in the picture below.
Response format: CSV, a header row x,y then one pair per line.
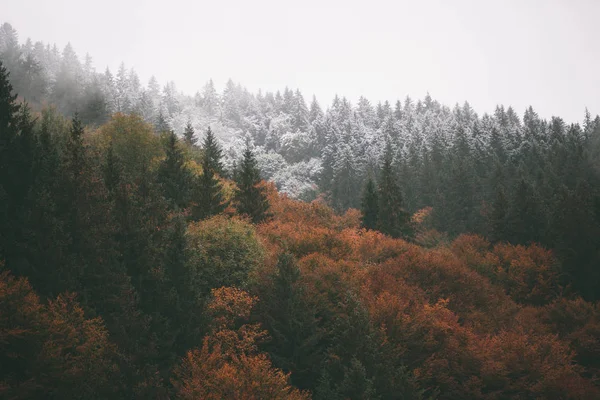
x,y
154,245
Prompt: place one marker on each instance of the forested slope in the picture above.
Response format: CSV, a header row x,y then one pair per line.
x,y
141,262
503,176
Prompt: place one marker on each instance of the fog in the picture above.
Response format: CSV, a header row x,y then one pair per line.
x,y
519,53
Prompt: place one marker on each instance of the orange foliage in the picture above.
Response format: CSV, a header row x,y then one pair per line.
x,y
529,274
229,366
464,316
208,374
51,351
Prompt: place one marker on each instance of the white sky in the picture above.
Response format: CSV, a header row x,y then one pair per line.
x,y
515,52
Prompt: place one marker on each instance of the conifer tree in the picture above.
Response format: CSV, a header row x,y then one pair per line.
x,y
251,199
17,147
292,322
213,152
189,135
524,222
393,220
208,196
161,123
370,205
498,217
173,175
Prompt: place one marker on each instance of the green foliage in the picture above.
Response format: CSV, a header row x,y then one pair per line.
x,y
189,137
173,175
208,194
392,220
289,316
370,205
134,144
212,153
222,252
250,198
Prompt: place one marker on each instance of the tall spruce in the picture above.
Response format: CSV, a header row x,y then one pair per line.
x,y
212,152
161,123
498,217
251,199
189,135
17,153
370,205
293,323
393,219
208,195
174,177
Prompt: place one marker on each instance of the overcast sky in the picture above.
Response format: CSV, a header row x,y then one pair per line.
x,y
542,53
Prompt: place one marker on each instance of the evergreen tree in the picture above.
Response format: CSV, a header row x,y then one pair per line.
x,y
208,197
212,152
392,219
17,170
251,199
293,324
189,135
524,217
173,175
161,123
370,205
498,217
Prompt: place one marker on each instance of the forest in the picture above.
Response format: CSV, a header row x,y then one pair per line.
x,y
243,245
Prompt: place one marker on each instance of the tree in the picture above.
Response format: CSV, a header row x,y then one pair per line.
x,y
222,252
208,197
53,351
161,123
212,152
392,219
251,198
17,172
498,218
173,175
228,365
524,218
370,205
286,312
188,135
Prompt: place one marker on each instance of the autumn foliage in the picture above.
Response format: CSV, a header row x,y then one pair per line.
x,y
142,301
228,364
468,319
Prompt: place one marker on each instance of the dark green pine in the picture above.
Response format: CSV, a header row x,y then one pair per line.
x,y
251,199
393,220
213,152
370,205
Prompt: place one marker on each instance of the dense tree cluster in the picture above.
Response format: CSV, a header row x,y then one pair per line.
x,y
509,178
102,224
135,264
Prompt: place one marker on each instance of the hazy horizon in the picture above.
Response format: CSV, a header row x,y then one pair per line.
x,y
516,53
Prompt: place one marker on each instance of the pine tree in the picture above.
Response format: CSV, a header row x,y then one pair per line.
x,y
393,220
208,197
498,221
173,175
112,170
189,135
213,152
292,321
161,123
17,152
250,198
370,205
524,219
8,131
